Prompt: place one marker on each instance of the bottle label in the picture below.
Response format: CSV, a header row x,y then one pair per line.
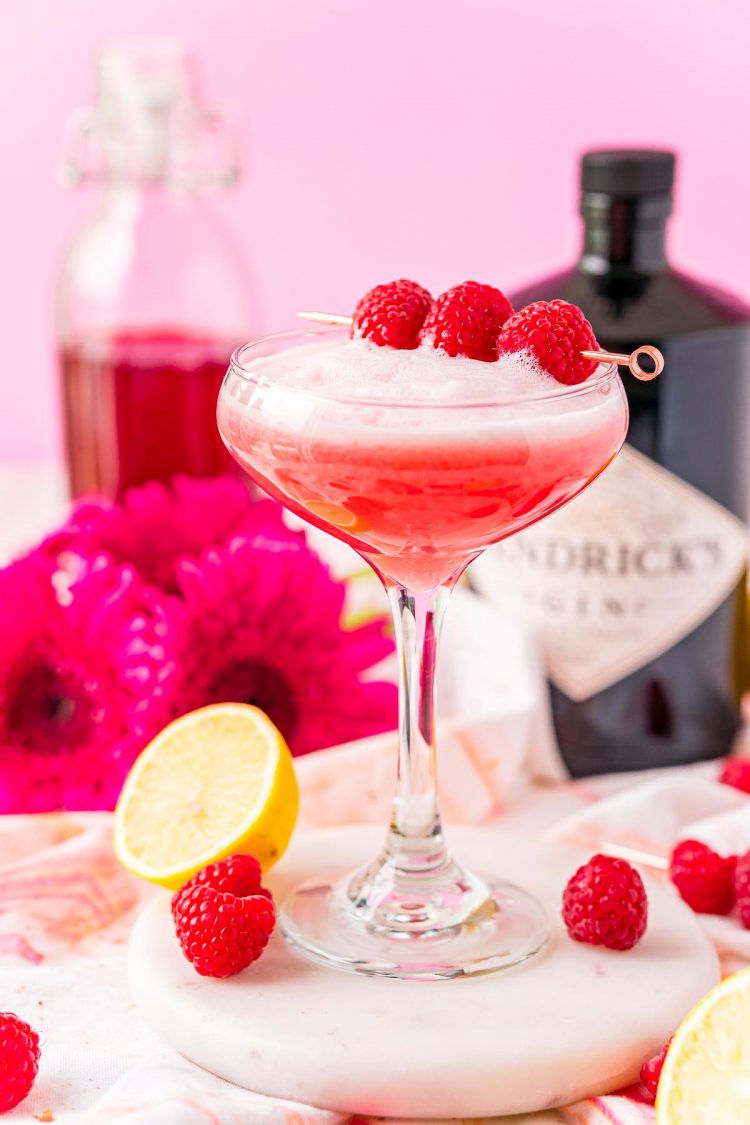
x,y
619,575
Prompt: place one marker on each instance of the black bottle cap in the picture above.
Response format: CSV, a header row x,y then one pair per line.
x,y
629,173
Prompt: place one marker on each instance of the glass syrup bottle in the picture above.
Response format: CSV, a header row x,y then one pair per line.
x,y
153,294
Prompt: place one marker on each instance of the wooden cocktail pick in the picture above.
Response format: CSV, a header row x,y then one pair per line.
x,y
632,361
633,855
326,318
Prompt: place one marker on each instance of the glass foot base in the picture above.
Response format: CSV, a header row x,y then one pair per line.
x,y
326,924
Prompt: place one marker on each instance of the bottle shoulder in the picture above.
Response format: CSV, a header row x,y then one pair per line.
x,y
158,257
666,304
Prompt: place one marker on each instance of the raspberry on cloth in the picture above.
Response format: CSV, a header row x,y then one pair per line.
x,y
704,878
19,1060
736,772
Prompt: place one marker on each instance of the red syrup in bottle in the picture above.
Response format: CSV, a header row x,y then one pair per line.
x,y
154,394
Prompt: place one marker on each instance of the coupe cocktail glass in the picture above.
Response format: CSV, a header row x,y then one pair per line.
x,y
418,488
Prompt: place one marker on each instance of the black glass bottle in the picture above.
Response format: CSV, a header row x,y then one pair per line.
x,y
694,421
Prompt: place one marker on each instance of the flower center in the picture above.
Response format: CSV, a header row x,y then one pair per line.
x,y
48,711
250,681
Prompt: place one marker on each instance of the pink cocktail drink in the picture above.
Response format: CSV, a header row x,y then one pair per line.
x,y
418,460
415,459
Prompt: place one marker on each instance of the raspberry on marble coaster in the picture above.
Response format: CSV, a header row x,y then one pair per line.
x,y
736,772
238,874
392,314
605,903
466,320
704,878
554,333
221,933
19,1060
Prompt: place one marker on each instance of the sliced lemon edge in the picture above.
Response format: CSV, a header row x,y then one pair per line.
x,y
175,875
696,1019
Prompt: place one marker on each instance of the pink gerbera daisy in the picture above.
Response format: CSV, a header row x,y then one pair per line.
x,y
87,675
265,629
157,524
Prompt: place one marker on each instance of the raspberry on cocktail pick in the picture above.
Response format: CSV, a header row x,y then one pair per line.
x,y
632,361
555,333
562,341
466,320
392,314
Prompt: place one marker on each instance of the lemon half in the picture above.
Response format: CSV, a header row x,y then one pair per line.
x,y
706,1074
216,781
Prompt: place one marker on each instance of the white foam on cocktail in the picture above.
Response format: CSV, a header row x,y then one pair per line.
x,y
357,393
360,370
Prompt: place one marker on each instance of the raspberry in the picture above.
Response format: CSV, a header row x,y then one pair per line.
x,y
555,333
605,903
651,1070
736,772
704,878
392,314
238,875
742,889
466,320
221,933
19,1060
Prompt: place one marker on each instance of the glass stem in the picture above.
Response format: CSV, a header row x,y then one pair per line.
x,y
415,839
414,886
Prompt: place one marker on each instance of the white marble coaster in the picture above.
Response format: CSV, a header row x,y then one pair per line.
x,y
573,1021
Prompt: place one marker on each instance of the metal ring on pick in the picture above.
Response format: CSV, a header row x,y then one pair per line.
x,y
632,361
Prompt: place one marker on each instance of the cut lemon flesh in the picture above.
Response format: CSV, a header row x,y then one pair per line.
x,y
216,781
706,1074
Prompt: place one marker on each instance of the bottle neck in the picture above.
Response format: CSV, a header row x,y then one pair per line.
x,y
622,236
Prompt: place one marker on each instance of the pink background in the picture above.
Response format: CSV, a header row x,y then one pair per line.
x,y
423,138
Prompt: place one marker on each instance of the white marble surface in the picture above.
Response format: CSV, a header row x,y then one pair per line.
x,y
572,1022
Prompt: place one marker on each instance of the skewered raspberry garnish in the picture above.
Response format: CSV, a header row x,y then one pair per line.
x,y
554,333
392,314
466,320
